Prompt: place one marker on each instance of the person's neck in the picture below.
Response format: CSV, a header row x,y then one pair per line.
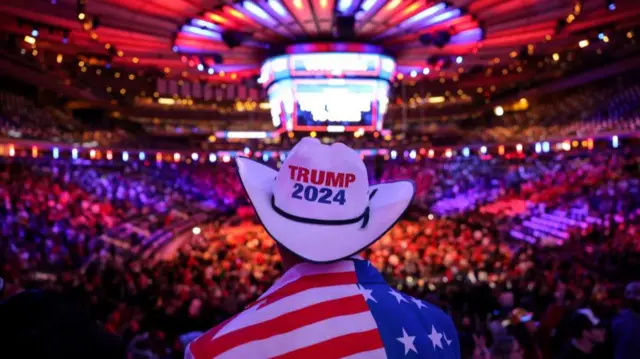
x,y
582,345
288,264
289,260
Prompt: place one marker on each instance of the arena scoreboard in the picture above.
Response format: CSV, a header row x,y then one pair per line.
x,y
319,88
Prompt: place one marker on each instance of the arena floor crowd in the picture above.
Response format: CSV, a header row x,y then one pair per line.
x,y
519,246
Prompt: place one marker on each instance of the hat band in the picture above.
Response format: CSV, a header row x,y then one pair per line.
x,y
364,217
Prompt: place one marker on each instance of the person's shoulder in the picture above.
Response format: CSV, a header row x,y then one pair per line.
x,y
400,316
434,312
408,304
626,321
438,317
205,344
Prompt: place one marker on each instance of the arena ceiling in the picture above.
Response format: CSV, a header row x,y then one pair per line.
x,y
431,40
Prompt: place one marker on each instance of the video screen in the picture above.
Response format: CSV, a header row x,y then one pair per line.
x,y
329,104
330,91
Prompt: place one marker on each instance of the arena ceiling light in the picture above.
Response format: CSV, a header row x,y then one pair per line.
x,y
394,25
258,30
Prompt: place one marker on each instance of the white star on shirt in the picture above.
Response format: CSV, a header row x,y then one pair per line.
x,y
436,338
419,303
367,294
445,339
407,341
398,296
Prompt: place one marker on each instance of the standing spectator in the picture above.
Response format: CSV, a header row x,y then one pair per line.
x,y
506,347
626,325
585,335
328,303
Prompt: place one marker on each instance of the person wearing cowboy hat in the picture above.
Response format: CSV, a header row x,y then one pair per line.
x,y
329,303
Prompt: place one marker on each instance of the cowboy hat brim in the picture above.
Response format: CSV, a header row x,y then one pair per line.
x,y
320,242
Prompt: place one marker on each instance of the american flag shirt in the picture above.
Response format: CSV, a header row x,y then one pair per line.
x,y
338,310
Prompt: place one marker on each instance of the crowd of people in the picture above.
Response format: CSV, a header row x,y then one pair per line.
x,y
21,118
55,212
610,106
544,244
527,296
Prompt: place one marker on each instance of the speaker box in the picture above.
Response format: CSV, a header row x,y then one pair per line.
x,y
345,27
234,38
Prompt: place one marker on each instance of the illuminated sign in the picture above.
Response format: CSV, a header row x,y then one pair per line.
x,y
326,65
244,134
336,64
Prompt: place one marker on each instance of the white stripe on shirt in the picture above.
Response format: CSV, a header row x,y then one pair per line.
x,y
303,337
255,314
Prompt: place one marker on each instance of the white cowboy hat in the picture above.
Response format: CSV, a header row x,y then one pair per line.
x,y
319,205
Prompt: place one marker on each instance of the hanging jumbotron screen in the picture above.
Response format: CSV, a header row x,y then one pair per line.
x,y
332,91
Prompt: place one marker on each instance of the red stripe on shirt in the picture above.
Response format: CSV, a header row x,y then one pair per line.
x,y
199,346
338,347
308,282
287,322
